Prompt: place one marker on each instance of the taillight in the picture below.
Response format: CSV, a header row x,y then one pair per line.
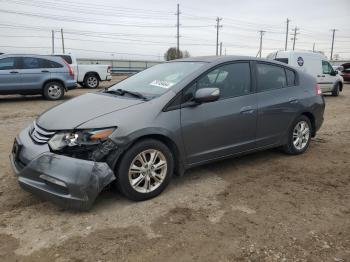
x,y
70,69
109,69
318,89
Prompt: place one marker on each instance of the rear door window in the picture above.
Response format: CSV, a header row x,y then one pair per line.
x,y
8,63
31,63
270,77
290,77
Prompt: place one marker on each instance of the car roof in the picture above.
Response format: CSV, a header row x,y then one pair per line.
x,y
231,58
48,57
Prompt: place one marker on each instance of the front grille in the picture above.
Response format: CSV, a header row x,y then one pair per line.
x,y
40,135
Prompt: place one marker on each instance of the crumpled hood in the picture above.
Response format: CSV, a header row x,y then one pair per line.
x,y
79,110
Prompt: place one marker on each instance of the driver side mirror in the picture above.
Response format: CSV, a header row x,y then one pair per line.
x,y
334,73
205,95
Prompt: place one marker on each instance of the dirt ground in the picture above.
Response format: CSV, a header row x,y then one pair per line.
x,y
263,207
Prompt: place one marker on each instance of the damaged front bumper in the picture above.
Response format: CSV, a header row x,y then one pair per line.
x,y
66,181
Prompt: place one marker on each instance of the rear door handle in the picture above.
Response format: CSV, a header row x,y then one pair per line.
x,y
293,100
45,71
13,72
321,76
246,110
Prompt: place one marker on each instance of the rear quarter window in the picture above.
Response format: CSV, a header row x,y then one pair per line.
x,y
51,64
66,58
283,60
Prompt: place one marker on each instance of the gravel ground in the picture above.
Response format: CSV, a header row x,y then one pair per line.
x,y
263,207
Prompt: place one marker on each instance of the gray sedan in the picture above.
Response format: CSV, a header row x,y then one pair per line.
x,y
162,121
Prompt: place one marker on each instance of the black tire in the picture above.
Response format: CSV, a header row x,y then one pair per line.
x,y
53,91
122,170
91,81
290,148
336,90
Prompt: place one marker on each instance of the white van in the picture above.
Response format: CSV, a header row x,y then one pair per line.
x,y
314,64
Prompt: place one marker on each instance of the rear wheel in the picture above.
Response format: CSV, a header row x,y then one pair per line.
x,y
299,136
91,81
53,91
145,170
336,90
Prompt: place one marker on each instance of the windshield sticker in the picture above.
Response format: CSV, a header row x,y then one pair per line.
x,y
162,83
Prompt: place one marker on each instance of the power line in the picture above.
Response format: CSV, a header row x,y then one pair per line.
x,y
68,19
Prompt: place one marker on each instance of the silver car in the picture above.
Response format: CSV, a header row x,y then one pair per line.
x,y
35,74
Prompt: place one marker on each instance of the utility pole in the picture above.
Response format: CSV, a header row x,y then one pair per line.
x,y
53,41
261,36
220,48
62,40
178,32
295,36
218,26
313,48
287,32
332,42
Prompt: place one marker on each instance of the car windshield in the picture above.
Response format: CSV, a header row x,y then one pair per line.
x,y
156,80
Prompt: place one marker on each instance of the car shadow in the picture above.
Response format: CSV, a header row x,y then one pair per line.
x,y
109,195
28,98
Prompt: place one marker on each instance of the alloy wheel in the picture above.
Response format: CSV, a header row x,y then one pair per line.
x,y
301,135
147,171
92,81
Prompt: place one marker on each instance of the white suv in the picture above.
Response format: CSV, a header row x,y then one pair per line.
x,y
315,64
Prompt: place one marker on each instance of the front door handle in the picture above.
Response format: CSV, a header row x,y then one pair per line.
x,y
246,110
293,100
13,72
321,76
45,71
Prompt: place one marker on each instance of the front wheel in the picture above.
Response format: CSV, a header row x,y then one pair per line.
x,y
145,170
336,90
299,136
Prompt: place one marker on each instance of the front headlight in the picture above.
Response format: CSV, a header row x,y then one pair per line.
x,y
79,137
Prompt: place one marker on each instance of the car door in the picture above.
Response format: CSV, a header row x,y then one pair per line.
x,y
278,102
226,126
327,78
33,73
9,74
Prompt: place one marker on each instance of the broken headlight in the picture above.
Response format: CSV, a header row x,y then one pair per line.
x,y
79,138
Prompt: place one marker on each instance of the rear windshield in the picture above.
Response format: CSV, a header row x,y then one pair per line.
x,y
66,58
156,80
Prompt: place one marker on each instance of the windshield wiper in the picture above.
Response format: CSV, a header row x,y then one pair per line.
x,y
122,92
